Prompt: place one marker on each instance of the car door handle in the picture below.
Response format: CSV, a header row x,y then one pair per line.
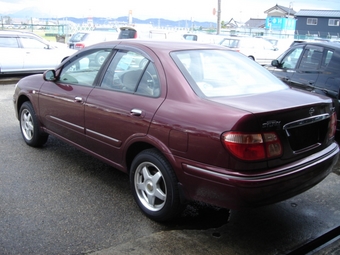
x,y
136,112
78,99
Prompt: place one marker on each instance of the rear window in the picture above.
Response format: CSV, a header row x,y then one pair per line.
x,y
127,34
231,43
9,42
78,37
216,73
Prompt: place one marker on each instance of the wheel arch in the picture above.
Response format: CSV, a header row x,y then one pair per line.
x,y
148,142
21,99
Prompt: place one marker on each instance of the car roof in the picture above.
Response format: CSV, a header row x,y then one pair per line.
x,y
319,43
15,32
167,45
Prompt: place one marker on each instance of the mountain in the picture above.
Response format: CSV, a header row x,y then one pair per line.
x,y
153,21
29,13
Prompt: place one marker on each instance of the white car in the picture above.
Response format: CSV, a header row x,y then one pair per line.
x,y
81,40
258,49
24,52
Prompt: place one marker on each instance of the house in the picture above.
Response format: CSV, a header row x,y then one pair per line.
x,y
280,20
318,23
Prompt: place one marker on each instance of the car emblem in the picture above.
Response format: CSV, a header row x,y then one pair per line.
x,y
311,111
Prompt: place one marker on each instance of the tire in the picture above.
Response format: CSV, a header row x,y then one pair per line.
x,y
154,186
30,127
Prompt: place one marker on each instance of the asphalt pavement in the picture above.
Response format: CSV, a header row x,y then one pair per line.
x,y
58,200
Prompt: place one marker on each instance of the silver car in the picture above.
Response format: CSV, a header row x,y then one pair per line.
x,y
258,49
24,52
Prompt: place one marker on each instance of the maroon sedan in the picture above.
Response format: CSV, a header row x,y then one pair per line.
x,y
186,121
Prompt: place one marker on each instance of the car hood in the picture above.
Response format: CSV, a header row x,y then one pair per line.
x,y
272,101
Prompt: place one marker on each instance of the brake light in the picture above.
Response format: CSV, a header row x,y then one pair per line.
x,y
79,45
258,146
135,35
332,125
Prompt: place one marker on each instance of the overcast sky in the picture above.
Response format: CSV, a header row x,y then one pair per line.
x,y
200,10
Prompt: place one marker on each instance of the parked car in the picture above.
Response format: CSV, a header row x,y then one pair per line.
x,y
311,66
187,121
281,44
258,49
128,32
80,40
202,38
23,52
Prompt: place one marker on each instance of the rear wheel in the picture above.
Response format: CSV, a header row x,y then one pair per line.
x,y
154,186
30,127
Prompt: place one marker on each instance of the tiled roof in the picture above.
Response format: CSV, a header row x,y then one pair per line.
x,y
319,13
283,8
255,23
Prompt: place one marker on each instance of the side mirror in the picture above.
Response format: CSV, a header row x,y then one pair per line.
x,y
275,63
49,75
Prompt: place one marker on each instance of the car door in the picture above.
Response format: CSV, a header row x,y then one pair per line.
x,y
328,82
12,55
121,109
37,55
308,68
62,102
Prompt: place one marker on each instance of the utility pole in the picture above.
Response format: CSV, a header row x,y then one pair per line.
x,y
218,17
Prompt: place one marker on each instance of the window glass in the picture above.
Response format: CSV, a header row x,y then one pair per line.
x,y
216,73
329,55
78,37
312,21
334,22
31,43
231,43
132,73
9,42
291,59
83,70
311,59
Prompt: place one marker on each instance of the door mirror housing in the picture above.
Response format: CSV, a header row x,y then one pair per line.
x,y
49,75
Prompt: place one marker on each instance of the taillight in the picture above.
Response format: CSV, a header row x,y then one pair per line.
x,y
135,35
79,45
258,146
332,126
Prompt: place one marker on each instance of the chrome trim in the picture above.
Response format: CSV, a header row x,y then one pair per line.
x,y
68,123
101,135
306,121
303,164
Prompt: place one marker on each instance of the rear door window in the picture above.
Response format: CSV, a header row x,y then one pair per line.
x,y
9,42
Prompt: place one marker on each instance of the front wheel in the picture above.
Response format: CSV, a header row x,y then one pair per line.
x,y
154,186
30,127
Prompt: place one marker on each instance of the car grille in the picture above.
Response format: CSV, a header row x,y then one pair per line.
x,y
308,133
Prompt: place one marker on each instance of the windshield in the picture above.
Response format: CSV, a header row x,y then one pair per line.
x,y
214,73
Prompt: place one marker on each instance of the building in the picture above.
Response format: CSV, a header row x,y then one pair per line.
x,y
280,20
317,23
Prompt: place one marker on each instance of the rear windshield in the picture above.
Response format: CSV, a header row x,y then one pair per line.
x,y
78,37
215,73
127,34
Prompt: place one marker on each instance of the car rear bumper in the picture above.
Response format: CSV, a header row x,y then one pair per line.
x,y
239,190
